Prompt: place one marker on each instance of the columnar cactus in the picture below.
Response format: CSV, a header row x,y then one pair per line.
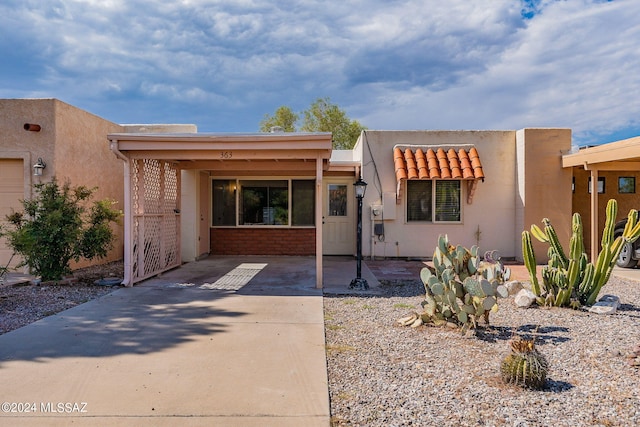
x,y
572,280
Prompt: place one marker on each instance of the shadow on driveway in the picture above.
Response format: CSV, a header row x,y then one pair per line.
x,y
127,321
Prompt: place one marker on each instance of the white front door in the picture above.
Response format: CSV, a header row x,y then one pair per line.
x,y
338,216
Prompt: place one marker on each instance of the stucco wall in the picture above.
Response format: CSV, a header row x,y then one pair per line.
x,y
491,211
544,187
73,145
16,142
513,193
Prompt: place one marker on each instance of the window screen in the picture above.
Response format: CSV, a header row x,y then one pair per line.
x,y
448,201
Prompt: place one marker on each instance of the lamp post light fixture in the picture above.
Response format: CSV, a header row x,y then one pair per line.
x,y
38,167
359,283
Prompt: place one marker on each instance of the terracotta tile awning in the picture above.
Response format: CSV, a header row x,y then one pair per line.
x,y
430,163
437,162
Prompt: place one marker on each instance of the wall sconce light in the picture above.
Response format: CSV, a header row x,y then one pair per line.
x,y
38,167
32,127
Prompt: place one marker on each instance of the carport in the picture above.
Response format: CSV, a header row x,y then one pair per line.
x,y
155,211
621,155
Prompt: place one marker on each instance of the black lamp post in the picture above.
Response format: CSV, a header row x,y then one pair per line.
x,y
359,283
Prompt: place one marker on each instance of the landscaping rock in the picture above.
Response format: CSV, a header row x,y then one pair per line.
x,y
610,299
603,307
607,304
514,287
524,298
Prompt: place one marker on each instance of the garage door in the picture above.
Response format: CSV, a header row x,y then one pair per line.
x,y
11,192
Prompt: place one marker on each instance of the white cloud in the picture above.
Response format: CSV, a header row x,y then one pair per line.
x,y
403,64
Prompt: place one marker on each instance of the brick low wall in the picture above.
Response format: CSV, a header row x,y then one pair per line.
x,y
263,241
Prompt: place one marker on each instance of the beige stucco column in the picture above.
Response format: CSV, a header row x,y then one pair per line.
x,y
127,215
594,214
319,222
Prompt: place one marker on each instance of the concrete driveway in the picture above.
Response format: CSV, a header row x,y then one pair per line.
x,y
196,346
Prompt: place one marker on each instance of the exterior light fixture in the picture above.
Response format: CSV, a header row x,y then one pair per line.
x,y
38,167
359,283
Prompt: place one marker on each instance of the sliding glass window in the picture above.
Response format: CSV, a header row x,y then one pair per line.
x,y
434,201
263,202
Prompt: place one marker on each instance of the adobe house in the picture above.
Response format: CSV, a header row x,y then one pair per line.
x,y
63,141
193,195
187,195
57,139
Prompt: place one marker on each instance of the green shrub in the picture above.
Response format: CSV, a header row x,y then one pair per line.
x,y
57,226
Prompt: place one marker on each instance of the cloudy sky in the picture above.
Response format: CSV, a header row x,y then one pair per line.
x,y
391,64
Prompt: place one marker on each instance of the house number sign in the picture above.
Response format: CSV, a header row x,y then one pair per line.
x,y
226,154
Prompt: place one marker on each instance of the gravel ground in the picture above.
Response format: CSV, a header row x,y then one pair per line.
x,y
23,304
384,374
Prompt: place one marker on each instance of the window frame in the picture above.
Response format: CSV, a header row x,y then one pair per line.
x,y
633,180
433,213
602,187
237,188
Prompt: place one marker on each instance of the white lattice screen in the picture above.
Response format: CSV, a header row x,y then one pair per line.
x,y
155,205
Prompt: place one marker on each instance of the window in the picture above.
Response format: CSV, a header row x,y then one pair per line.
x,y
224,202
600,185
337,200
627,184
263,202
447,203
419,200
437,201
303,202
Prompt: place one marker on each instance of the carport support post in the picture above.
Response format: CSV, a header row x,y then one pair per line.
x,y
319,207
594,215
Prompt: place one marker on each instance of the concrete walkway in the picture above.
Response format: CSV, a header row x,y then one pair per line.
x,y
196,346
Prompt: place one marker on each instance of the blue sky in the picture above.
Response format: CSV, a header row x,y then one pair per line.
x,y
391,64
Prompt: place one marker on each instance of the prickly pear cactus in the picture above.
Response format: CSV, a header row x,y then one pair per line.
x,y
525,366
461,289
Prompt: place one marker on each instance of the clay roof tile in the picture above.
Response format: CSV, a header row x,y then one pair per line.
x,y
437,164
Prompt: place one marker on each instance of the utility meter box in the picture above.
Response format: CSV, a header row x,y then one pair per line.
x,y
389,200
377,212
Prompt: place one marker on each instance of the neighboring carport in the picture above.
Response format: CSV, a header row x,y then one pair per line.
x,y
621,155
152,175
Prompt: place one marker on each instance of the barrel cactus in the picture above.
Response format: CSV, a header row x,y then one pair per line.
x,y
525,365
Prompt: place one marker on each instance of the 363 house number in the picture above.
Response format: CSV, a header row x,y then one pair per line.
x,y
226,154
